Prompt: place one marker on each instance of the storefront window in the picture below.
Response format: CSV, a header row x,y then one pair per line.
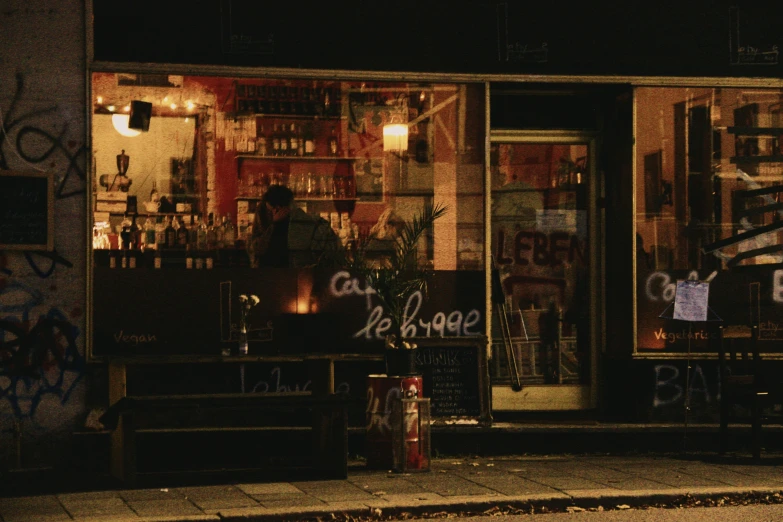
x,y
181,164
708,183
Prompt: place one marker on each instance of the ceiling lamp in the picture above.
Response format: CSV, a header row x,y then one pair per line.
x,y
395,137
120,122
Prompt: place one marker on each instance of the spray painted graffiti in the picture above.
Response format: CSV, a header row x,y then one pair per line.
x,y
38,361
377,324
38,146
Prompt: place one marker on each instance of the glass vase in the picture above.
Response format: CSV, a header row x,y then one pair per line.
x,y
243,342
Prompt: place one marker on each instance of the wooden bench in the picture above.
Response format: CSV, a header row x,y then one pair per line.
x,y
205,437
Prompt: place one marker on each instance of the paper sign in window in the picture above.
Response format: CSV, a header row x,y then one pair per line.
x,y
690,300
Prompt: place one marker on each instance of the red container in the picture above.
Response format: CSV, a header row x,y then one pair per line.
x,y
381,392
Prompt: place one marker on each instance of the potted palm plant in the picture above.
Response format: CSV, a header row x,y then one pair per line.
x,y
395,273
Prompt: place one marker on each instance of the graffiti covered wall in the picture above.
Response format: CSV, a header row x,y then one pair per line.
x,y
42,294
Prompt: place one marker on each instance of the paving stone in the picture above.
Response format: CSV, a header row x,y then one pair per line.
x,y
87,496
305,500
37,501
673,478
511,485
31,513
278,488
229,502
204,492
632,483
387,486
563,482
333,491
170,507
242,512
448,485
148,494
103,507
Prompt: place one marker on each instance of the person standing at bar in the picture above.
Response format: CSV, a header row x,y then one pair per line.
x,y
285,236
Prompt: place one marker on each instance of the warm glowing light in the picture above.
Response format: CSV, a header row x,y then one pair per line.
x,y
395,137
173,106
187,120
120,122
111,108
126,108
190,105
99,99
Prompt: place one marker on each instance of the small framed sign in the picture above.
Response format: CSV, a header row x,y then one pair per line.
x,y
26,210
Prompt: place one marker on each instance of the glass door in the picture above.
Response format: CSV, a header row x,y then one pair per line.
x,y
544,271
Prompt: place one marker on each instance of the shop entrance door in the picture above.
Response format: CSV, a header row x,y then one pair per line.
x,y
545,302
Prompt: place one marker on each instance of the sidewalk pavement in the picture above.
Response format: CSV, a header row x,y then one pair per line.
x,y
460,484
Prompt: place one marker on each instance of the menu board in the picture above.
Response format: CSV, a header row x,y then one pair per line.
x,y
454,372
26,210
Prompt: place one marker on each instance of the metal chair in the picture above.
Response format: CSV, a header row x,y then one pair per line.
x,y
742,392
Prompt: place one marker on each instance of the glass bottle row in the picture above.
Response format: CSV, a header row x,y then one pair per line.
x,y
285,99
304,185
169,232
291,140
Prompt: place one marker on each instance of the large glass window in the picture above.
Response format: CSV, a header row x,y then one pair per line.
x,y
709,173
181,165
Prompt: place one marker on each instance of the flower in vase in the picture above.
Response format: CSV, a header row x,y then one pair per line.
x,y
247,302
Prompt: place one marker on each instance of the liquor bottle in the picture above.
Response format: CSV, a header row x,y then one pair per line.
x,y
284,140
293,100
154,196
160,234
332,148
275,141
193,232
112,260
261,141
211,233
182,235
171,233
273,105
309,141
149,234
300,141
262,104
125,232
188,257
124,259
327,106
230,233
220,232
282,99
157,260
293,141
201,238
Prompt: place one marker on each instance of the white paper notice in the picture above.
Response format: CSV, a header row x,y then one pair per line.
x,y
690,300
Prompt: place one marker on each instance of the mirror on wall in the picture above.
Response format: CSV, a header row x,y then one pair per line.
x,y
160,166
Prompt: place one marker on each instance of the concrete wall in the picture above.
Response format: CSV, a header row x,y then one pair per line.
x,y
43,380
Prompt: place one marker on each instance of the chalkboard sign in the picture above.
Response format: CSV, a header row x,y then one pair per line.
x,y
26,210
454,372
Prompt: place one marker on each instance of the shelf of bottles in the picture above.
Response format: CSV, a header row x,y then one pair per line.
x,y
288,100
306,185
302,141
170,241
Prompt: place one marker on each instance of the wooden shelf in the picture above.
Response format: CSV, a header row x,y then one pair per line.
x,y
778,158
293,158
258,198
772,132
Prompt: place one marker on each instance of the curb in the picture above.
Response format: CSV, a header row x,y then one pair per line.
x,y
529,504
